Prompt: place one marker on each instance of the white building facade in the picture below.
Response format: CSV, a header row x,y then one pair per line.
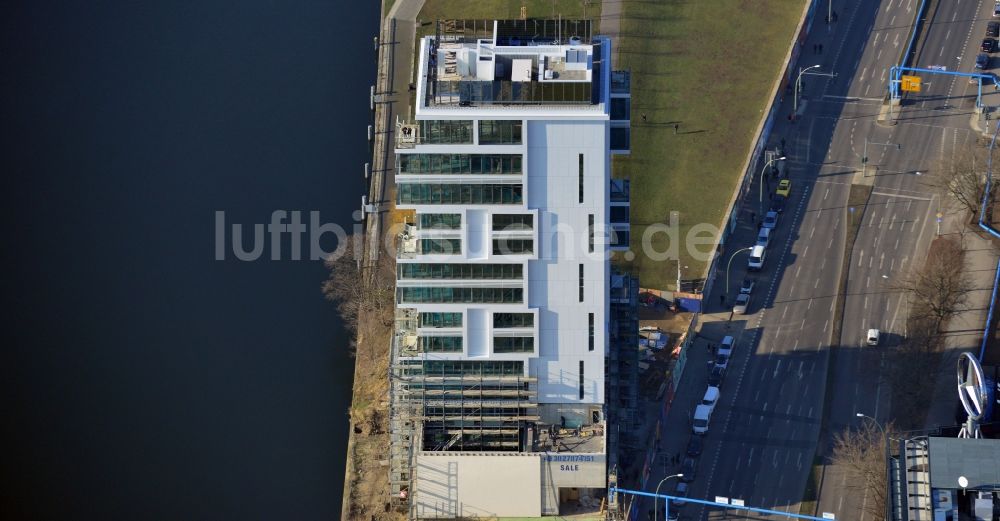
x,y
498,397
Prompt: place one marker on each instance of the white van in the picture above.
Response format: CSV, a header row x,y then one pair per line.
x,y
756,262
711,397
763,237
726,346
702,416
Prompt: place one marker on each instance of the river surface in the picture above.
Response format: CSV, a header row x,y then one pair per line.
x,y
143,378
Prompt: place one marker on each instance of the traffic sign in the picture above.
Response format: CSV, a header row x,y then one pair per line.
x,y
910,83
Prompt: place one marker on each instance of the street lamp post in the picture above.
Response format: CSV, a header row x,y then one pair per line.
x,y
885,436
760,201
798,87
667,501
798,81
730,263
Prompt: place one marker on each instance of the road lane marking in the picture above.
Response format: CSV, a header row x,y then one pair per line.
x,y
901,196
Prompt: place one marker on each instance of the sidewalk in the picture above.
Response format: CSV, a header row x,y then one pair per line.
x,y
965,332
676,430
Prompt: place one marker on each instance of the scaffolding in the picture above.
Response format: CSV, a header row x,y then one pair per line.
x,y
622,369
452,405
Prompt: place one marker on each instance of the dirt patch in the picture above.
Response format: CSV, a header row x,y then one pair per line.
x,y
367,472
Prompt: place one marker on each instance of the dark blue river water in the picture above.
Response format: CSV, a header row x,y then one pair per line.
x,y
143,379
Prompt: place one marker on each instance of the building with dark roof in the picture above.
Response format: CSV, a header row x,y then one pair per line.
x,y
942,479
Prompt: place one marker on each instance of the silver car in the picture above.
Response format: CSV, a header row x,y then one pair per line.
x,y
742,304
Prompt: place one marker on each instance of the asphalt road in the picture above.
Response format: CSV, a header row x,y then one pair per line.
x,y
766,429
899,223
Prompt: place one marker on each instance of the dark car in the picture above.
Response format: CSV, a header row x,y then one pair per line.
x,y
989,45
982,61
993,29
715,377
778,203
695,444
681,490
689,468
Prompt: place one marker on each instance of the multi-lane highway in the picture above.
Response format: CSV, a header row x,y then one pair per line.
x,y
899,221
788,370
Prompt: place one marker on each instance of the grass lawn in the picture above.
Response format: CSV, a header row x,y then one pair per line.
x,y
504,9
709,66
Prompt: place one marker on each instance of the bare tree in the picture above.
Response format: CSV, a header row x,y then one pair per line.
x,y
963,176
912,370
862,454
939,289
360,287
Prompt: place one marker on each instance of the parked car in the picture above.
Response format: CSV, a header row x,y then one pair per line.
x,y
756,260
763,237
778,203
721,361
711,397
702,417
784,187
996,9
742,304
715,377
689,468
695,446
982,61
771,220
988,45
993,29
748,285
681,490
726,346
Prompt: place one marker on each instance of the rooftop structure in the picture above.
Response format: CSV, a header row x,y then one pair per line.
x,y
513,63
941,477
505,329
